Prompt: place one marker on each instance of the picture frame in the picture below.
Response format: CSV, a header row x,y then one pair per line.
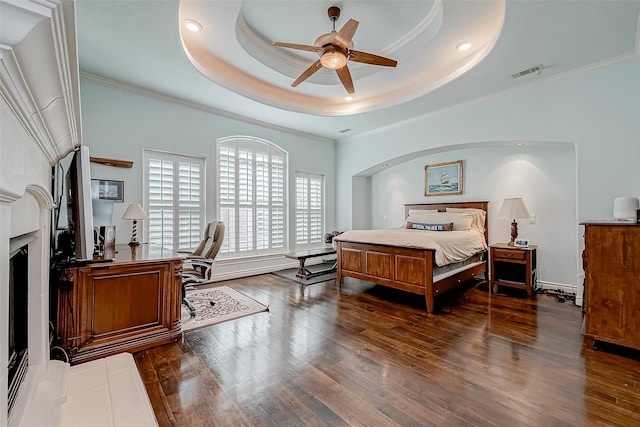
x,y
521,243
443,179
106,189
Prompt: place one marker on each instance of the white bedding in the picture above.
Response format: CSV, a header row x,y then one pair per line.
x,y
449,246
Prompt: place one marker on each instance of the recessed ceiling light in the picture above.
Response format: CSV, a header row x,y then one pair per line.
x,y
192,25
519,144
348,98
463,46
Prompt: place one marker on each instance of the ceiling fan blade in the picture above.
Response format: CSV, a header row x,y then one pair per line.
x,y
307,73
345,78
370,58
346,33
299,46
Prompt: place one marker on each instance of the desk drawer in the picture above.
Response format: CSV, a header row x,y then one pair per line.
x,y
510,254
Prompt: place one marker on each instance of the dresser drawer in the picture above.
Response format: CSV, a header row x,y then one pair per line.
x,y
510,254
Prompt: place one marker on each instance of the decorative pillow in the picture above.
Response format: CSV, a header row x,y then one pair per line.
x,y
461,221
430,227
479,216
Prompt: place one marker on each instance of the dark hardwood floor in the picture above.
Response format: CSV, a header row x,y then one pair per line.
x,y
372,356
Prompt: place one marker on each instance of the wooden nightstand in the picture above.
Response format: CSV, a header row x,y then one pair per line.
x,y
513,267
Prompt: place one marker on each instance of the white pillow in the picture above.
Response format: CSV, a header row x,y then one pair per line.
x,y
419,211
414,214
479,216
461,221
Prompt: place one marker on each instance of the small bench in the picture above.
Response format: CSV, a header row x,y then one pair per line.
x,y
302,256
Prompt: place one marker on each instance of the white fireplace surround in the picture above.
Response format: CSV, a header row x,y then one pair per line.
x,y
40,120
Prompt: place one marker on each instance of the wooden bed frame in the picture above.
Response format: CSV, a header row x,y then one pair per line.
x,y
408,269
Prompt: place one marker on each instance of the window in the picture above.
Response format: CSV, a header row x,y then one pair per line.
x,y
309,208
174,193
251,196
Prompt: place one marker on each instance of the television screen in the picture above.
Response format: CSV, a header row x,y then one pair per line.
x,y
79,206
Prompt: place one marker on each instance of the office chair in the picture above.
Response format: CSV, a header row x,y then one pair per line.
x,y
197,266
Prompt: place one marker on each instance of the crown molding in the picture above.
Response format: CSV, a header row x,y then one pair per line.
x,y
103,81
495,95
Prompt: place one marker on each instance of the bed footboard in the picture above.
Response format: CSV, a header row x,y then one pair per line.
x,y
400,268
407,269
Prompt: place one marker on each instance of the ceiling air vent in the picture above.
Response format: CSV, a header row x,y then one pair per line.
x,y
345,130
537,69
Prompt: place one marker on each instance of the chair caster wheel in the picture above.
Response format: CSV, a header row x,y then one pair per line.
x,y
212,303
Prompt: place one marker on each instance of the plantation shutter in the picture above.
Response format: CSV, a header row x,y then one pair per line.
x,y
309,208
251,196
175,194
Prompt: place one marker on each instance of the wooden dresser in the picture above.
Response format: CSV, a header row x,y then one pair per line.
x,y
129,304
611,261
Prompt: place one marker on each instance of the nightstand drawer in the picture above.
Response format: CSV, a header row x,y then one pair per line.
x,y
511,254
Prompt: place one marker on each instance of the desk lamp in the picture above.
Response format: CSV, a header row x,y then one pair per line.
x,y
134,213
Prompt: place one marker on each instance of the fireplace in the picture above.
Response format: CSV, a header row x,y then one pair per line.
x,y
18,357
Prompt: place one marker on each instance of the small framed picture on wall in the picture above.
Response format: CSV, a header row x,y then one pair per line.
x,y
106,189
443,179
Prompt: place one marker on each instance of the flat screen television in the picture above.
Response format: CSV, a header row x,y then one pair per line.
x,y
79,206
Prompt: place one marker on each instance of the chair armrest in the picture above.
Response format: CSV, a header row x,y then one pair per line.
x,y
206,263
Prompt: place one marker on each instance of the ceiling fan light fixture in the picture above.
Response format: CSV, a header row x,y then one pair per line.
x,y
333,59
462,46
191,25
348,98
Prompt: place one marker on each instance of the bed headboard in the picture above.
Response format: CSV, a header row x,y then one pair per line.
x,y
442,207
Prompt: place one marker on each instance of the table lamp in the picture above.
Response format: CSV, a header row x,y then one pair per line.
x,y
134,213
514,208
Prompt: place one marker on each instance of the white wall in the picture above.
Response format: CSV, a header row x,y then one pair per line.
x,y
362,193
119,124
597,110
545,176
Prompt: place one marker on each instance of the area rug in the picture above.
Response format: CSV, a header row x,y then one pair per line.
x,y
230,304
291,274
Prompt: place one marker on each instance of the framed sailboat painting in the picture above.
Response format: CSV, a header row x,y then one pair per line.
x,y
443,179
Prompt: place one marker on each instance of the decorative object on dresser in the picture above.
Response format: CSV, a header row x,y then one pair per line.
x,y
513,266
513,208
611,282
443,179
413,268
134,213
624,208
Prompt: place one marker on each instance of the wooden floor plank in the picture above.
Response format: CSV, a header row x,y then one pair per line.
x,y
368,355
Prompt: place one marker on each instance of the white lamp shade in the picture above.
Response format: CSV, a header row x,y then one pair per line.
x,y
514,208
134,212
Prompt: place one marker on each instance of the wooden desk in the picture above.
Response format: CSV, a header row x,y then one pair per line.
x,y
129,304
302,256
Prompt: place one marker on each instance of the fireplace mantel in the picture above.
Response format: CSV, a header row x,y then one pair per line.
x,y
40,125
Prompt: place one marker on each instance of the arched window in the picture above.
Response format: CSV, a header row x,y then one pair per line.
x,y
252,195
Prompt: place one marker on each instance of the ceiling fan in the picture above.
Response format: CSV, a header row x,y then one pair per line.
x,y
335,50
